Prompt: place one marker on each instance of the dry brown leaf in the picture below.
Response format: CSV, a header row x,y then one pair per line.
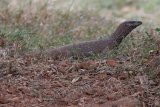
x,y
89,91
111,62
3,100
56,84
123,76
87,65
111,97
101,76
15,99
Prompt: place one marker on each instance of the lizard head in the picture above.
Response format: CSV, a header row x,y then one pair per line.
x,y
130,24
123,30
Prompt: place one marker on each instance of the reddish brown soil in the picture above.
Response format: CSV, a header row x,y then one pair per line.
x,y
31,82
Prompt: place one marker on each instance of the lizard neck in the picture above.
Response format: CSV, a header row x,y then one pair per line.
x,y
117,37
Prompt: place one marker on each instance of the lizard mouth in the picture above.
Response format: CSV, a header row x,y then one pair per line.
x,y
134,23
137,23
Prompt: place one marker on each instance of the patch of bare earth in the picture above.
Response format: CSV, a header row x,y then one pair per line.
x,y
38,82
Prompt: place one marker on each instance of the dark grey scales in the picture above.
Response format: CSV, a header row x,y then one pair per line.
x,y
94,46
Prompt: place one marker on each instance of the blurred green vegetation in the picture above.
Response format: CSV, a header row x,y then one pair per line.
x,y
147,5
45,23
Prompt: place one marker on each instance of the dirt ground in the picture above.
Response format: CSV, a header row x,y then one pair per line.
x,y
37,82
